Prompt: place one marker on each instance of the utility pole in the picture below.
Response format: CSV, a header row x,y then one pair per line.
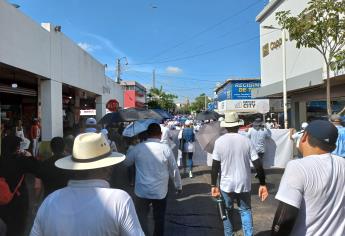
x,y
205,102
118,75
154,78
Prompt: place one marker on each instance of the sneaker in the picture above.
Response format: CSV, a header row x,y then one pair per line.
x,y
190,174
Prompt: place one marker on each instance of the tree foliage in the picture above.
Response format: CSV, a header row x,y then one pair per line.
x,y
321,25
160,99
199,103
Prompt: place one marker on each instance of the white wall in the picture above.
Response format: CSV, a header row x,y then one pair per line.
x,y
298,61
26,45
23,43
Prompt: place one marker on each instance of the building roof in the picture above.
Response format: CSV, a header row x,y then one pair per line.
x,y
132,83
234,79
268,9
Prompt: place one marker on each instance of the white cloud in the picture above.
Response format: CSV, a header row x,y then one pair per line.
x,y
88,47
173,70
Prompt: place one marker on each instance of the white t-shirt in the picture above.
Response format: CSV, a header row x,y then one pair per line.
x,y
315,185
165,134
154,164
87,207
234,151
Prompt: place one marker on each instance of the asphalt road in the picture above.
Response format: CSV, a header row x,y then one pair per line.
x,y
194,212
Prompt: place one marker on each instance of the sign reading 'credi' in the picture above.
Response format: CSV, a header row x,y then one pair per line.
x,y
271,46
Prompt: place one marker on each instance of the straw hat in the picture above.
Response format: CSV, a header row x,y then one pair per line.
x,y
90,151
231,120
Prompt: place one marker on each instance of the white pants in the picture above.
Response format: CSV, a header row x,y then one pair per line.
x,y
35,147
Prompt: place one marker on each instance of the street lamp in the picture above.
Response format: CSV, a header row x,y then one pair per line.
x,y
284,72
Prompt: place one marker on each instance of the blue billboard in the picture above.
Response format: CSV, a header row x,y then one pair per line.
x,y
224,93
243,89
238,90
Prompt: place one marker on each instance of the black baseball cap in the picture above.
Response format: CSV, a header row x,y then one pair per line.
x,y
324,131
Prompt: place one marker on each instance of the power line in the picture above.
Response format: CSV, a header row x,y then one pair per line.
x,y
173,77
205,30
220,36
206,52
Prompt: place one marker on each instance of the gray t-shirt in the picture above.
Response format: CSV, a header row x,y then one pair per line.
x,y
315,185
234,151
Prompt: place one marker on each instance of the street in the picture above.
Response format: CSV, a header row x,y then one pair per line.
x,y
194,212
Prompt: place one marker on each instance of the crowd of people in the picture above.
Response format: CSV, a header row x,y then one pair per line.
x,y
79,200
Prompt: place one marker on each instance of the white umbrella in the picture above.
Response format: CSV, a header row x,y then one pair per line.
x,y
137,127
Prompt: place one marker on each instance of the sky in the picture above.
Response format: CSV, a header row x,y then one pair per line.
x,y
191,44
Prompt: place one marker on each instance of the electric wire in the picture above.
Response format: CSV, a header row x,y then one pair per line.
x,y
206,52
205,30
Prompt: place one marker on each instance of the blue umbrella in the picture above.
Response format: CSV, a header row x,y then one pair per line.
x,y
137,127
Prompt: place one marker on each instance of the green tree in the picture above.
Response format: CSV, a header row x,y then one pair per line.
x,y
320,26
199,102
160,99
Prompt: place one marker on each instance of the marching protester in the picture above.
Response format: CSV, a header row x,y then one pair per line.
x,y
14,203
90,125
258,135
52,177
311,193
187,138
112,143
297,135
154,163
87,206
340,145
269,124
232,155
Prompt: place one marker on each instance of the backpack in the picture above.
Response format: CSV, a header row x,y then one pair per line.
x,y
6,195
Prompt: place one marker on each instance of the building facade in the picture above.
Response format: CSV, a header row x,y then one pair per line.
x,y
236,95
134,94
305,69
44,74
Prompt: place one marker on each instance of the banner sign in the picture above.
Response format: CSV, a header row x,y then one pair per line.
x,y
243,89
238,90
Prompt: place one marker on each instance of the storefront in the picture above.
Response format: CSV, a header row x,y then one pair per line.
x,y
305,69
44,74
18,97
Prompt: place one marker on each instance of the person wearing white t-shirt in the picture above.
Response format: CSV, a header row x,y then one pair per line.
x,y
88,206
154,164
232,155
311,193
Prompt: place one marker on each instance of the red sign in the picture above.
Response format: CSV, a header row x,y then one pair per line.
x,y
112,105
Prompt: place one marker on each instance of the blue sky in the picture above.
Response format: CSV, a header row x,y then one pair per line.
x,y
192,44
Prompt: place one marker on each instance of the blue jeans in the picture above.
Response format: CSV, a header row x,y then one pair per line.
x,y
187,159
243,203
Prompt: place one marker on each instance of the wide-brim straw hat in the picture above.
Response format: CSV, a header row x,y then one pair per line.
x,y
231,120
90,151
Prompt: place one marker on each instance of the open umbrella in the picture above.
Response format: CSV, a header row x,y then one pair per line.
x,y
137,127
163,113
207,115
208,135
130,114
